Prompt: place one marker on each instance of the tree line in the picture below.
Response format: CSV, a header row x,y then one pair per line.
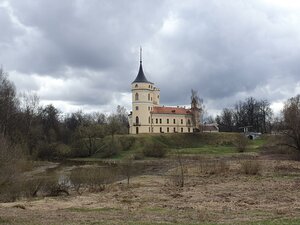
x,y
44,132
252,113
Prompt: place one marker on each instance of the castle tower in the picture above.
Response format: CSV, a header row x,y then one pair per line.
x,y
144,97
195,113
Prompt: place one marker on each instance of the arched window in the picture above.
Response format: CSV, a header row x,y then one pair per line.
x,y
157,96
136,85
137,121
136,96
148,97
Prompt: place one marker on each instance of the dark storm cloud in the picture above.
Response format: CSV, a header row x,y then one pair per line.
x,y
85,34
86,52
225,48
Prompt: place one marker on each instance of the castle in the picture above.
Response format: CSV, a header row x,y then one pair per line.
x,y
147,116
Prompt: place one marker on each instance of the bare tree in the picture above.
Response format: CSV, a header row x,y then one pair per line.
x,y
8,103
291,122
127,168
197,109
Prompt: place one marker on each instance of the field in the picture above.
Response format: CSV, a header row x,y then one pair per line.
x,y
221,186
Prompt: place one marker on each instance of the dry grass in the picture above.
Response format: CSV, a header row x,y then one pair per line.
x,y
251,167
215,192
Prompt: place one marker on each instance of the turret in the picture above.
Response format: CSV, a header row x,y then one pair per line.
x,y
142,102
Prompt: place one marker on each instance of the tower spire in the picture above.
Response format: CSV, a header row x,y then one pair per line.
x,y
140,54
140,78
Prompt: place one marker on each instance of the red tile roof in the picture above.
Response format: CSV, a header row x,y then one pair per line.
x,y
170,110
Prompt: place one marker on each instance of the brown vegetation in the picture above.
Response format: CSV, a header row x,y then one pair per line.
x,y
214,191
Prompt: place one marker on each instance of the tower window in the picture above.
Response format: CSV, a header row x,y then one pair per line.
x,y
149,119
157,96
148,97
149,108
136,85
137,121
136,96
136,108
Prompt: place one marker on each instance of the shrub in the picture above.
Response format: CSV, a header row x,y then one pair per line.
x,y
250,167
126,142
12,165
241,142
154,149
213,167
138,156
31,187
55,186
110,147
93,179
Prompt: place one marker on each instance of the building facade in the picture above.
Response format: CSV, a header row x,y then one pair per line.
x,y
147,116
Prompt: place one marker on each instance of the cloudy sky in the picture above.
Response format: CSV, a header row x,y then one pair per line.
x,y
83,54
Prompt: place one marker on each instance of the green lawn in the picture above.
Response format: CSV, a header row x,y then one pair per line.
x,y
207,149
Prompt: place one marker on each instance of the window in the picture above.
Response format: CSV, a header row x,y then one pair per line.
x,y
137,130
148,108
136,108
168,129
152,129
189,122
174,130
174,121
149,86
148,97
136,96
181,130
137,121
189,130
149,129
136,85
167,121
157,96
149,120
160,120
156,120
160,130
181,121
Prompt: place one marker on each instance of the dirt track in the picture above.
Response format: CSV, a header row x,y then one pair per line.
x,y
229,197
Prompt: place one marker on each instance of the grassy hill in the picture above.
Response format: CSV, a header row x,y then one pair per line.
x,y
143,145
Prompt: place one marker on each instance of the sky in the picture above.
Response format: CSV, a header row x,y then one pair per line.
x,y
84,54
